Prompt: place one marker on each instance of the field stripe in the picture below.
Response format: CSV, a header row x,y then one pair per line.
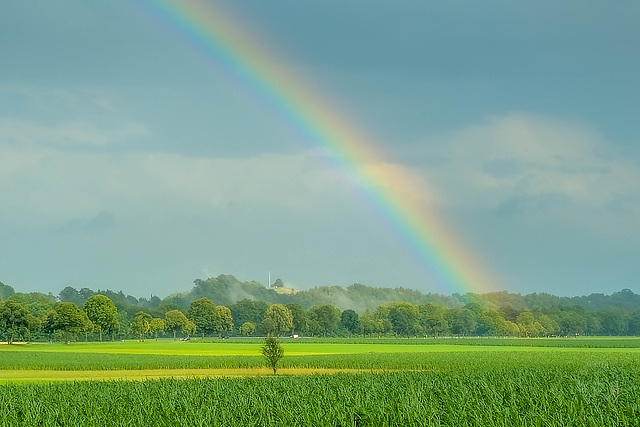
x,y
19,376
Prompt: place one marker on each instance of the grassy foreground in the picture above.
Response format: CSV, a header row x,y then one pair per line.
x,y
320,383
528,397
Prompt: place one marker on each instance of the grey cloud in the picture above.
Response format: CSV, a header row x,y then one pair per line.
x,y
502,168
517,205
103,221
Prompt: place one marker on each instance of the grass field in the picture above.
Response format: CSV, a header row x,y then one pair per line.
x,y
333,382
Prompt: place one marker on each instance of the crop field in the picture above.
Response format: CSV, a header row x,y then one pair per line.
x,y
332,382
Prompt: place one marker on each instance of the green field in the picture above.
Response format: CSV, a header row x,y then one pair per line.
x,y
333,382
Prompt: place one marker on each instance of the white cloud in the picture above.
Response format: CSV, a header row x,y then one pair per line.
x,y
42,185
16,132
522,163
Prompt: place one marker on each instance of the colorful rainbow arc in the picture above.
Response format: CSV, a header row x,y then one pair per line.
x,y
388,189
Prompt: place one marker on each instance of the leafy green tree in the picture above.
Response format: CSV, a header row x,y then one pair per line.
x,y
300,319
432,319
124,320
103,314
156,326
549,326
634,323
226,320
349,321
174,320
49,322
277,320
614,321
571,320
5,291
141,324
247,329
273,352
13,320
462,320
368,323
326,318
204,314
247,310
491,323
382,317
70,320
37,303
528,325
189,328
404,318
70,294
34,326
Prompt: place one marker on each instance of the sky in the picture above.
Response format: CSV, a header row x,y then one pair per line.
x,y
131,159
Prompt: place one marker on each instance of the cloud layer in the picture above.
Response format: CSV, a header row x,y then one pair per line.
x,y
523,164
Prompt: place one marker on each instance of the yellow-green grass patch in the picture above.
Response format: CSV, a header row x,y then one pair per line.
x,y
292,348
21,376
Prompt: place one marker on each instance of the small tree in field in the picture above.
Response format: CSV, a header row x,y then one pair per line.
x,y
247,329
273,352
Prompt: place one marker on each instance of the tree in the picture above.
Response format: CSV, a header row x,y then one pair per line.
x,y
247,329
36,303
226,320
13,320
277,320
369,324
325,317
70,320
247,310
156,325
300,319
528,325
491,323
349,321
34,326
70,294
432,319
549,326
141,324
404,318
204,314
124,320
5,291
174,320
462,320
103,314
273,352
188,328
382,317
614,321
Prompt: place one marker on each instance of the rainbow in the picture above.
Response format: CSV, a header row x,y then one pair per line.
x,y
388,189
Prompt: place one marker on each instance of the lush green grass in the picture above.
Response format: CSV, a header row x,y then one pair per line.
x,y
596,395
405,383
246,354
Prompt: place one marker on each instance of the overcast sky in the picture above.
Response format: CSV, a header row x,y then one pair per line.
x,y
128,161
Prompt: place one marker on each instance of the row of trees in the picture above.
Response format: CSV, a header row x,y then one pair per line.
x,y
36,316
227,290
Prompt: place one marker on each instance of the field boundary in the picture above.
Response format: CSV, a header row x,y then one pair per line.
x,y
35,375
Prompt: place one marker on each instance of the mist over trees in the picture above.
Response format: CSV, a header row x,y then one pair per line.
x,y
224,307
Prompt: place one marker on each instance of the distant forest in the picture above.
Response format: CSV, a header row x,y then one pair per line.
x,y
224,306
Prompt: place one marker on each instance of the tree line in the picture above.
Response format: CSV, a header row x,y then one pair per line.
x,y
87,315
